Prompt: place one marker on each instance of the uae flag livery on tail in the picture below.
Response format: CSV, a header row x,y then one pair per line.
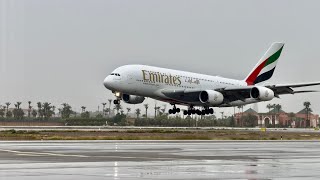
x,y
266,66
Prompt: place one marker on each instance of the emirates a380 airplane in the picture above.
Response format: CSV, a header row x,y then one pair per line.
x,y
132,83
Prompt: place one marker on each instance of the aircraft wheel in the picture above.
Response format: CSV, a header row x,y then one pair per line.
x,y
170,111
185,112
211,111
178,110
116,101
203,112
198,112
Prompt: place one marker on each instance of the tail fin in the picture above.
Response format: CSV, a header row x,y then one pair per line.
x,y
266,66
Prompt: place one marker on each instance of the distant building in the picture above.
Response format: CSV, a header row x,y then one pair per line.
x,y
301,119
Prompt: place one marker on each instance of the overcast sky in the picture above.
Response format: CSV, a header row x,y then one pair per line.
x,y
61,50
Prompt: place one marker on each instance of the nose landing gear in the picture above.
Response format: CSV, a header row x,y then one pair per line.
x,y
116,101
118,97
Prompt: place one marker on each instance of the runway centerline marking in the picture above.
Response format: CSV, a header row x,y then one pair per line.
x,y
42,153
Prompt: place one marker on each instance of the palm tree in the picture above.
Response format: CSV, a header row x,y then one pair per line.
x,y
47,110
110,100
29,108
66,111
146,106
103,108
54,110
276,111
138,112
7,104
239,108
291,115
278,107
156,109
269,106
222,115
83,108
3,110
18,105
59,111
39,109
128,110
307,107
34,113
118,107
107,111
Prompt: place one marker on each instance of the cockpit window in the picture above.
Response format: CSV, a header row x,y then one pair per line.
x,y
115,74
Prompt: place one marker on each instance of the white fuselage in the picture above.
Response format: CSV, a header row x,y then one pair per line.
x,y
149,81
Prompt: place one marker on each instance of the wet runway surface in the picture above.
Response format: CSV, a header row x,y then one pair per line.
x,y
160,160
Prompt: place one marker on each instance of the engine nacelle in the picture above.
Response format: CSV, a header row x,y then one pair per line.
x,y
262,93
132,99
211,97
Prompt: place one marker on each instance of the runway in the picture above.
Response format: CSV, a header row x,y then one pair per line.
x,y
159,160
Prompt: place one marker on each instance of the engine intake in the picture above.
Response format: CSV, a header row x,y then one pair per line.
x,y
132,99
211,97
262,93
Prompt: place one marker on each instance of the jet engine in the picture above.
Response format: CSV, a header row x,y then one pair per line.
x,y
211,97
132,99
262,93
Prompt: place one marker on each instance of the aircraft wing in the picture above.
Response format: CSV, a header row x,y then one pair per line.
x,y
278,89
191,96
235,93
288,88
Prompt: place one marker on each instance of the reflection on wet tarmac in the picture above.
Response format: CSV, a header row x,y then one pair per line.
x,y
160,160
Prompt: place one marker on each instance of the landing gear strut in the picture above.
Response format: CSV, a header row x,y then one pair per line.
x,y
174,110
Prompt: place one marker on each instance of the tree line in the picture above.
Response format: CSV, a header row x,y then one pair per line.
x,y
46,111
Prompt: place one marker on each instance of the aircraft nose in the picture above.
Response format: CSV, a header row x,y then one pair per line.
x,y
107,82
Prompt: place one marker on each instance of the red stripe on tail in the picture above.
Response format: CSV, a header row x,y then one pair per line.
x,y
255,73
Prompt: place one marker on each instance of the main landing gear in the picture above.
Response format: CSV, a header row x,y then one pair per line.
x,y
192,110
174,110
204,111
